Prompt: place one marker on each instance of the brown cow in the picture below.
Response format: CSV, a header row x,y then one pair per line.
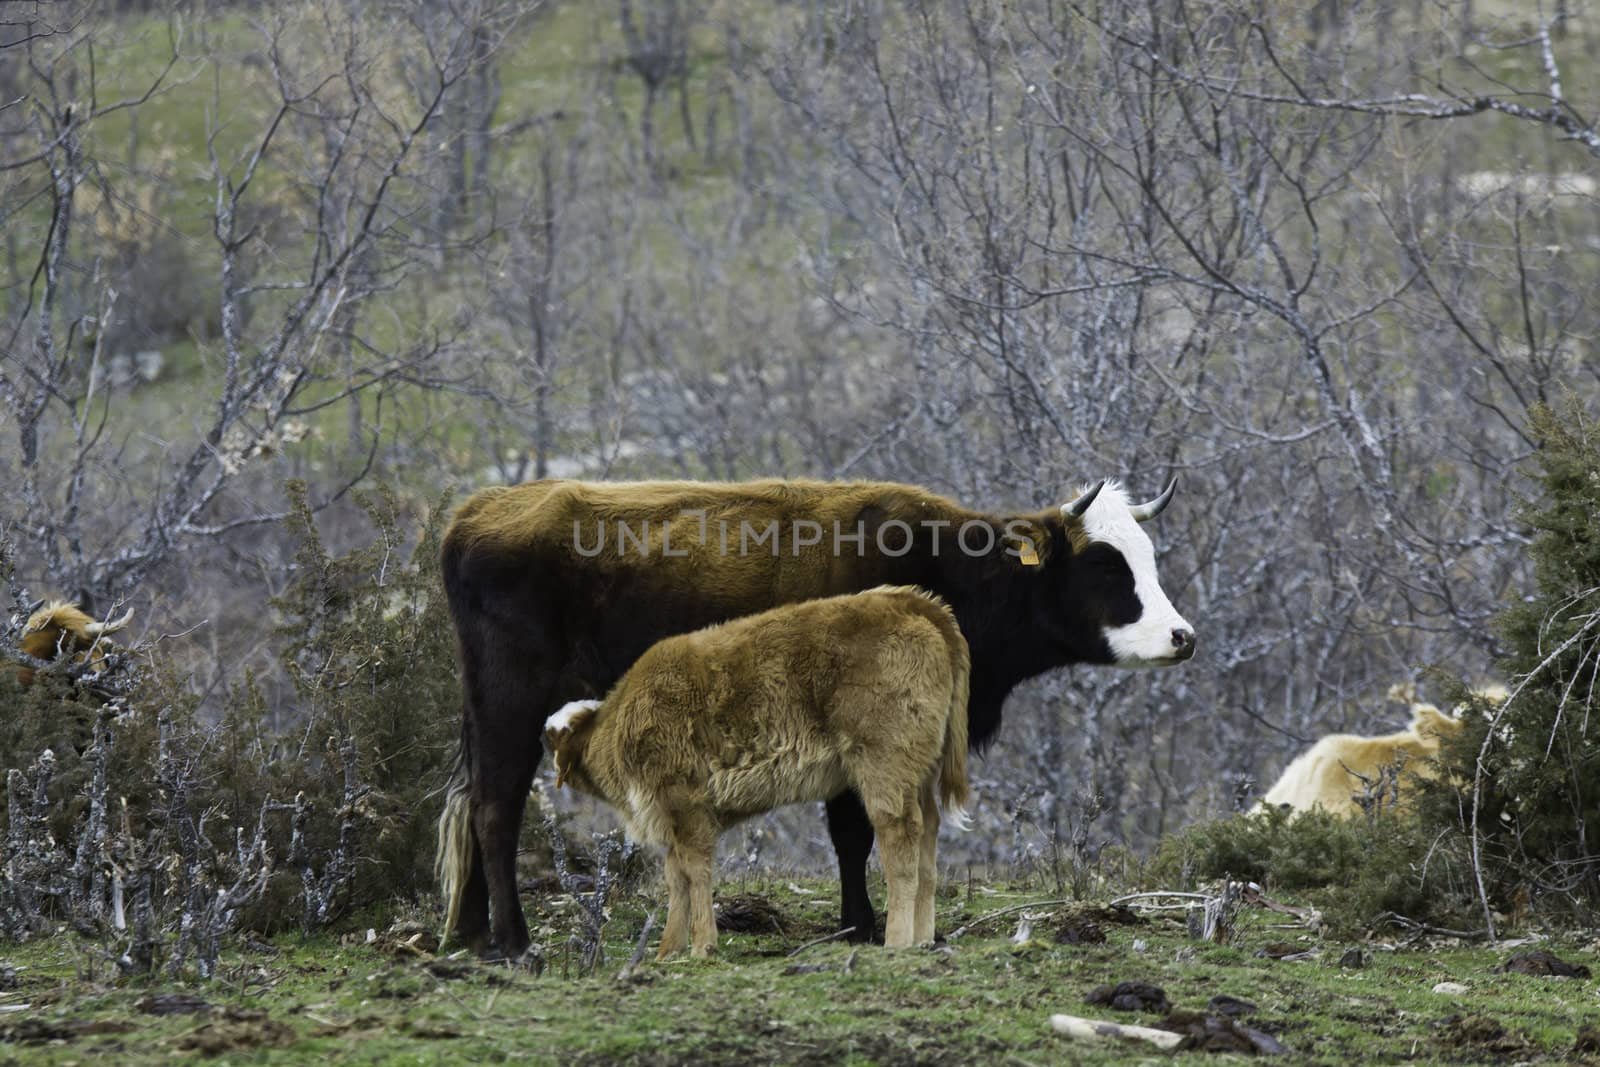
x,y
61,628
557,587
866,692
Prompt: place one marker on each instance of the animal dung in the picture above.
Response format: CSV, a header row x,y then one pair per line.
x,y
1130,996
1542,964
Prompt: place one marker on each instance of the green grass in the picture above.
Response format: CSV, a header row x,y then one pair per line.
x,y
980,997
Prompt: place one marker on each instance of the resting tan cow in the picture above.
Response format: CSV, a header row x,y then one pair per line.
x,y
865,692
1332,773
60,627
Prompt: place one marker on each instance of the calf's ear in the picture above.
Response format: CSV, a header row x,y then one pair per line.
x,y
561,731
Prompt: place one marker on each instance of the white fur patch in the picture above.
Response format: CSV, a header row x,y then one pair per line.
x,y
1147,641
567,717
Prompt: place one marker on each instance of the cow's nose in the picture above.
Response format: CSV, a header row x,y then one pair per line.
x,y
1183,642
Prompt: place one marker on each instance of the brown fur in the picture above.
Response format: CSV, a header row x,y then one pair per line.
x,y
864,692
62,628
1329,774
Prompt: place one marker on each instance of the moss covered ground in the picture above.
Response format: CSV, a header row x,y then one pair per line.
x,y
980,997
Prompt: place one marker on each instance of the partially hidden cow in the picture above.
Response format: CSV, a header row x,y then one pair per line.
x,y
1337,772
864,692
61,628
556,588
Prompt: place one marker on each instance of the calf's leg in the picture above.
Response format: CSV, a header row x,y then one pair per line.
x,y
852,833
900,847
702,921
675,936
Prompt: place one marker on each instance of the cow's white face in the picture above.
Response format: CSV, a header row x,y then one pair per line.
x,y
1139,624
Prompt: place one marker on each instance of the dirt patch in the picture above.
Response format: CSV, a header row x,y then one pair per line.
x,y
172,1004
225,1035
750,914
1481,1033
40,1031
1076,930
407,940
1105,914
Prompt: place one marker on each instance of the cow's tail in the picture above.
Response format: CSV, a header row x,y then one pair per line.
x,y
955,793
453,865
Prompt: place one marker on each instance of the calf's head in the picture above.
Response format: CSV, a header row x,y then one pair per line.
x,y
1117,606
565,734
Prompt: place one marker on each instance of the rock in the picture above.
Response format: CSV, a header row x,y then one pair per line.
x,y
148,364
1588,1041
1450,989
172,1004
1233,1007
805,968
1286,950
1542,964
1353,959
1130,996
1203,1032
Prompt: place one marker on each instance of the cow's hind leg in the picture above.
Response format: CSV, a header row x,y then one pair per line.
x,y
852,834
927,865
472,921
506,749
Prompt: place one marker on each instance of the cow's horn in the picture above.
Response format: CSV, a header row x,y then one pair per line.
x,y
1150,509
36,605
100,629
1079,504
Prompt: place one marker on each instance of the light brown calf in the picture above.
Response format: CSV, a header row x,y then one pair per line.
x,y
865,692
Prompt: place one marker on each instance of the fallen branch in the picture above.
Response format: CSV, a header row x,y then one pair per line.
x,y
1421,929
1140,899
1091,1029
836,935
980,920
638,949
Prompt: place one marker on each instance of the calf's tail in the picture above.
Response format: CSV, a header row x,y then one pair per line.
x,y
954,792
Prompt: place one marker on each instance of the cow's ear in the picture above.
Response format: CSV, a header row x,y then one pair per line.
x,y
1428,719
1029,542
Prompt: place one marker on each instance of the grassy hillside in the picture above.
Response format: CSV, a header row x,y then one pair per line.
x,y
982,997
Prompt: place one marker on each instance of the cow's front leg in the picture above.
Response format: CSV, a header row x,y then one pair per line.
x,y
851,832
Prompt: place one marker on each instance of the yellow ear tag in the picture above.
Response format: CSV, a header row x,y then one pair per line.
x,y
1029,557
